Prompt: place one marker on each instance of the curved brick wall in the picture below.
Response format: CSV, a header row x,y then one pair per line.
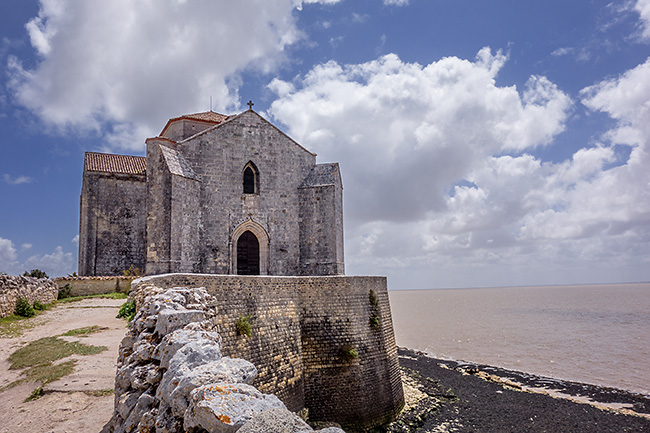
x,y
299,326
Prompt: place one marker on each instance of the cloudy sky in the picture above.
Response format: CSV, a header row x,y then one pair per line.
x,y
481,143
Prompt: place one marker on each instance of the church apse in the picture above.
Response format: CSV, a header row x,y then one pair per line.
x,y
204,178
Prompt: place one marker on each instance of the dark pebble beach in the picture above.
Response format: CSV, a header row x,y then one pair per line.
x,y
449,396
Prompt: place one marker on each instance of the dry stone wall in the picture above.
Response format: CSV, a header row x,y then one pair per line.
x,y
172,376
42,290
302,329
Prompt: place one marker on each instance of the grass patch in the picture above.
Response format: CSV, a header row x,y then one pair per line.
x,y
100,392
47,350
85,331
14,326
46,373
38,359
114,295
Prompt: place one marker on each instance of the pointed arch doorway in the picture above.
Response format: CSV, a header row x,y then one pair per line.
x,y
248,254
249,249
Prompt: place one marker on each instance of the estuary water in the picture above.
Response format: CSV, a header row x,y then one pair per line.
x,y
597,334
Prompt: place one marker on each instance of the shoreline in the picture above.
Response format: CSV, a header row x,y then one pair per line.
x,y
533,380
456,396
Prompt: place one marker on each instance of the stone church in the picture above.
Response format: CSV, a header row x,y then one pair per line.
x,y
215,194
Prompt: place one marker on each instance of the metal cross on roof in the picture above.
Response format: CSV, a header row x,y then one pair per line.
x,y
250,105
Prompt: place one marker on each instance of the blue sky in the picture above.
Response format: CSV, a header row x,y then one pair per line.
x,y
481,143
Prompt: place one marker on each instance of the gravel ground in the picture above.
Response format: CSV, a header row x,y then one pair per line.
x,y
80,402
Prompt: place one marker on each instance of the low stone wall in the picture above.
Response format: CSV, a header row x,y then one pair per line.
x,y
33,289
172,377
84,286
301,328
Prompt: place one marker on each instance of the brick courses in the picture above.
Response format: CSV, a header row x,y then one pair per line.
x,y
299,327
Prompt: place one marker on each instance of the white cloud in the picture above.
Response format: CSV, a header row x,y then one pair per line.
x,y
396,2
421,127
75,240
440,183
7,255
643,8
25,247
124,67
54,264
16,180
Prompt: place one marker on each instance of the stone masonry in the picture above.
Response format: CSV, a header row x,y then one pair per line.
x,y
215,194
42,290
301,328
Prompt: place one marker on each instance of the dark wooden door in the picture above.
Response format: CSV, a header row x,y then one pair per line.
x,y
248,254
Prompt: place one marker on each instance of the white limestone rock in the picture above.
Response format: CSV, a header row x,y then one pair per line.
x,y
171,320
276,421
145,404
225,370
179,338
225,407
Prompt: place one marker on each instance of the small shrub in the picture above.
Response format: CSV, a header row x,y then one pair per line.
x,y
127,311
374,321
348,353
35,395
372,297
64,292
35,273
73,275
38,305
24,308
133,272
243,325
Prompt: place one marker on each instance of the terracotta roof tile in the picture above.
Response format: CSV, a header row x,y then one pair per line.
x,y
110,163
209,116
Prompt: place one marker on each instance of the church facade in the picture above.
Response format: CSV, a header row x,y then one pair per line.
x,y
215,194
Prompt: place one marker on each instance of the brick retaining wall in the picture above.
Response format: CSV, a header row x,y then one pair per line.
x,y
299,327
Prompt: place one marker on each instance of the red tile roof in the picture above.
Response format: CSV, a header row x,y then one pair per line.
x,y
110,163
206,116
209,116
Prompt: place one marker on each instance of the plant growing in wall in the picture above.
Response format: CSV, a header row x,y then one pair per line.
x,y
372,298
133,272
243,325
374,320
348,353
64,292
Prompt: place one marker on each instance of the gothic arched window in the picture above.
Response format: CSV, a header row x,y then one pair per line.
x,y
250,179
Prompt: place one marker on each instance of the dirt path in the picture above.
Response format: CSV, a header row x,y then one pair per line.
x,y
75,402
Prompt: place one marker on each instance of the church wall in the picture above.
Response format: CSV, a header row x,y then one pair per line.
x,y
219,157
158,205
185,128
185,219
300,325
321,230
112,226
